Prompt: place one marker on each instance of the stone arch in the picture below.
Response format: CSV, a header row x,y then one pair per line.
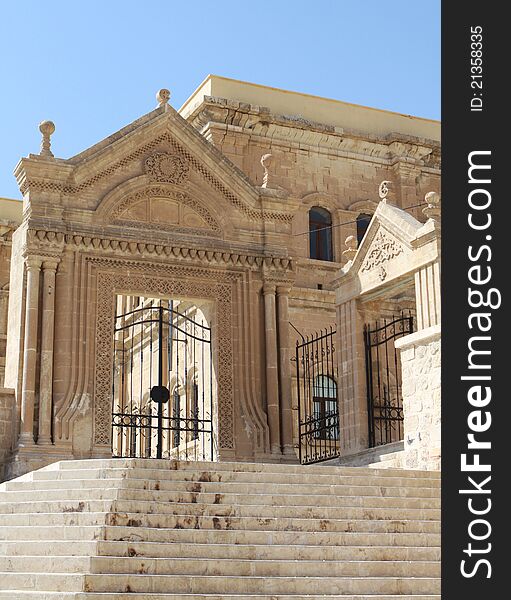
x,y
367,206
320,199
140,202
108,283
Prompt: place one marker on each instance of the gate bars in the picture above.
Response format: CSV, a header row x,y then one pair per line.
x,y
383,378
156,347
318,410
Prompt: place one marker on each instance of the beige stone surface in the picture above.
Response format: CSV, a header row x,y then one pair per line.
x,y
421,360
163,529
180,205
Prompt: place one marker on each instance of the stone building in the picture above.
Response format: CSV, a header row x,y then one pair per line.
x,y
183,268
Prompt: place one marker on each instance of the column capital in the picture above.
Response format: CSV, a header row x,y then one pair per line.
x,y
284,289
269,288
33,263
50,263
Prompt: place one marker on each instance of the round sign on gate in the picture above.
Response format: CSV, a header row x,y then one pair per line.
x,y
159,393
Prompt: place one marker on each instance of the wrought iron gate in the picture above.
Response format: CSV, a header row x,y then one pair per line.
x,y
318,410
383,377
162,384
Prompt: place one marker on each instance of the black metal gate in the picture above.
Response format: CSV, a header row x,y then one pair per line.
x,y
162,383
383,377
318,410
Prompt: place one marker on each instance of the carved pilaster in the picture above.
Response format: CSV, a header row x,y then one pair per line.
x,y
286,411
47,339
33,267
272,381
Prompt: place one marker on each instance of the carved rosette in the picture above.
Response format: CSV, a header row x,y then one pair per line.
x,y
167,168
384,248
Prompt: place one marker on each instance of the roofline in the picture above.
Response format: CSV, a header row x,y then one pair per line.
x,y
332,100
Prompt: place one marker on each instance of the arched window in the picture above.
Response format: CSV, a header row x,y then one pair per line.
x,y
363,221
320,233
324,397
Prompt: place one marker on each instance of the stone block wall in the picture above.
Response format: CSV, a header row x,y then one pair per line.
x,y
6,427
420,359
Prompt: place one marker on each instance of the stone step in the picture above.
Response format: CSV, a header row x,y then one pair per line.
x,y
200,584
269,537
218,567
82,494
228,487
402,479
30,595
216,550
374,456
222,536
154,530
166,521
241,510
166,465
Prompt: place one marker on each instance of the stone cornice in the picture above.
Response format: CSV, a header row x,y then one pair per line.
x,y
54,242
257,121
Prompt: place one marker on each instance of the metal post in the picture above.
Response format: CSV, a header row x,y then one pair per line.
x,y
298,401
160,382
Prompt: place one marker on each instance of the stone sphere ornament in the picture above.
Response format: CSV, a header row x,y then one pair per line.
x,y
163,96
47,128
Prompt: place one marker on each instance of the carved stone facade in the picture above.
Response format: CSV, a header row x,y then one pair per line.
x,y
180,205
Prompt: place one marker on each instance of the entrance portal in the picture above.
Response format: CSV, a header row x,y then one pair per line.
x,y
318,409
163,380
383,376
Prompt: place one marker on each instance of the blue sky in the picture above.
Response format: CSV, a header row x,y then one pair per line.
x,y
94,66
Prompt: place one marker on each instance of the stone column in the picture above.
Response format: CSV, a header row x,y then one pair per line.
x,y
272,381
33,267
47,338
286,411
351,375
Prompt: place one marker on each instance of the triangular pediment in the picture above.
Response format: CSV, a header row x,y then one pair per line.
x,y
385,251
159,148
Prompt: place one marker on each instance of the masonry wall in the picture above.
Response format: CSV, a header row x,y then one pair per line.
x,y
420,358
6,427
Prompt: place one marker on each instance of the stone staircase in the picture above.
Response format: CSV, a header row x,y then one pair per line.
x,y
137,529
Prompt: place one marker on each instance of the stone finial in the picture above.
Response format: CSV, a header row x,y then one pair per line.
x,y
351,247
163,97
432,208
266,162
384,189
47,128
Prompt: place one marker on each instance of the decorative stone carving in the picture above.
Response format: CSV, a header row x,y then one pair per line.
x,y
168,281
384,189
47,128
167,168
163,96
194,218
383,249
266,162
351,247
432,208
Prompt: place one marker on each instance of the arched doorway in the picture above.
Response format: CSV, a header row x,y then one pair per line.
x,y
162,350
